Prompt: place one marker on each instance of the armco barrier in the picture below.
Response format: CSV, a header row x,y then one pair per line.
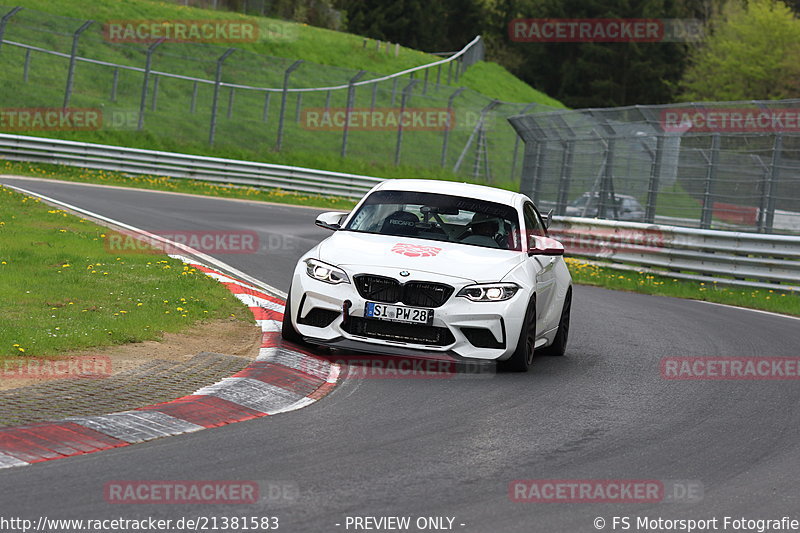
x,y
734,258
175,165
725,257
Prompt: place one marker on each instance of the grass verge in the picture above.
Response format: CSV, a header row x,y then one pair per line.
x,y
776,301
61,289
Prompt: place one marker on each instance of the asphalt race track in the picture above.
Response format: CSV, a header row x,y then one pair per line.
x,y
451,447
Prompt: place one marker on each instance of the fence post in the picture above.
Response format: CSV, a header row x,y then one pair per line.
x,y
212,130
394,91
27,65
566,174
711,175
516,141
425,83
449,71
154,101
766,216
438,75
72,60
231,97
4,20
114,85
374,96
531,162
328,100
284,95
265,111
147,66
653,184
351,92
297,107
449,123
193,106
403,99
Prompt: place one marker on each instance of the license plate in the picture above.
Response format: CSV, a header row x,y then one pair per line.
x,y
398,313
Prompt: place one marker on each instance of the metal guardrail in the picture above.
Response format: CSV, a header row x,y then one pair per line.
x,y
725,257
175,165
711,256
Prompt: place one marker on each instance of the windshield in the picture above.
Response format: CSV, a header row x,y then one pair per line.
x,y
438,217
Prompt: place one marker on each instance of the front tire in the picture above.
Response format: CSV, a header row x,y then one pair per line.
x,y
288,333
522,357
559,346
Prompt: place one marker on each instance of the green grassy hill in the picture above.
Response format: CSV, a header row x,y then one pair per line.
x,y
178,115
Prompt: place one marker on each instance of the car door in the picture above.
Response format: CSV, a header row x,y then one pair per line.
x,y
544,269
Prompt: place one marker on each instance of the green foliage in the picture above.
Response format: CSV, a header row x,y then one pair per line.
x,y
751,54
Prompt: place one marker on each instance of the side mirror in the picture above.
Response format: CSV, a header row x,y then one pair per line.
x,y
547,219
545,246
331,220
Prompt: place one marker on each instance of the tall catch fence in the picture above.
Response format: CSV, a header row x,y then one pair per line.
x,y
721,165
174,95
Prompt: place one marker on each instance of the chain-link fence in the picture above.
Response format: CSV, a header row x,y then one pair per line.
x,y
722,165
190,96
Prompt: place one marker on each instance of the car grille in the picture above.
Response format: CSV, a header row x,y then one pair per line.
x,y
389,290
396,331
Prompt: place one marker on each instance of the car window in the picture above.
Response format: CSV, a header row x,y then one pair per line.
x,y
438,217
533,223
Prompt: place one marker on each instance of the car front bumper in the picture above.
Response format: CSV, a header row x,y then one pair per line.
x,y
461,328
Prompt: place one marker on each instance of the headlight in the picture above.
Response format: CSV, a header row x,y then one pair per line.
x,y
325,272
489,292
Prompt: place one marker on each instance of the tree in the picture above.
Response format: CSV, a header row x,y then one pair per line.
x,y
751,54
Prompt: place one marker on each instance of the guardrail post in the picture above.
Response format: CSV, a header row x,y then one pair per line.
x,y
404,98
27,65
284,94
147,66
351,92
72,60
711,175
449,124
653,183
4,19
766,215
516,141
217,83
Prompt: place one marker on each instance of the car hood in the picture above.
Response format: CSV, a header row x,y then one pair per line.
x,y
363,251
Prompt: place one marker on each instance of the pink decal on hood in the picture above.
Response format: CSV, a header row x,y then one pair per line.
x,y
415,250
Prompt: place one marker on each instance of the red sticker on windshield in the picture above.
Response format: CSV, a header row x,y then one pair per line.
x,y
415,250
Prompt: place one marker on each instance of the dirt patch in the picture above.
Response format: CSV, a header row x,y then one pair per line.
x,y
226,336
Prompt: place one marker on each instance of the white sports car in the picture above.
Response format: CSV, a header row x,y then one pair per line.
x,y
423,267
